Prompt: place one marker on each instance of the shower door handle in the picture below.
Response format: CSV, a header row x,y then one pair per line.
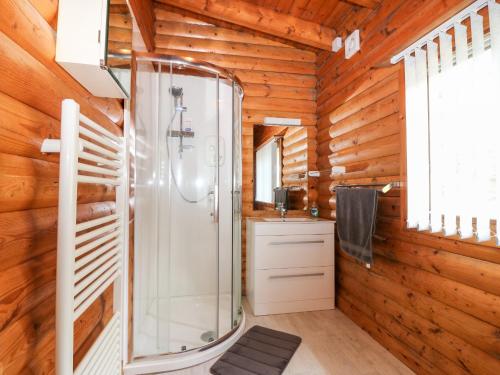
x,y
216,204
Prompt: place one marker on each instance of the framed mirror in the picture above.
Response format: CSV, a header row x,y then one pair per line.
x,y
280,162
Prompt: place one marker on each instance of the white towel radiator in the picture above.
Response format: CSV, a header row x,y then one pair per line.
x,y
90,254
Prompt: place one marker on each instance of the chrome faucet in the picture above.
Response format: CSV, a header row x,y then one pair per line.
x,y
282,209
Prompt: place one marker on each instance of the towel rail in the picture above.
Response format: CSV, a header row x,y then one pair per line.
x,y
90,254
381,188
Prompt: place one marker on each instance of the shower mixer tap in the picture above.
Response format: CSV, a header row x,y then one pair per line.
x,y
178,94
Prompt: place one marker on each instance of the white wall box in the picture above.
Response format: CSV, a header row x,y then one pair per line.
x,y
352,44
82,38
290,266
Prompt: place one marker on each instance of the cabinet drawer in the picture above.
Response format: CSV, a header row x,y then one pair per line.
x,y
294,251
293,284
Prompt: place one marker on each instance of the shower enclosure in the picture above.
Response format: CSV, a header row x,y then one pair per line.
x,y
187,257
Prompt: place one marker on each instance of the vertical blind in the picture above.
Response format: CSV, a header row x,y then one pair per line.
x,y
452,85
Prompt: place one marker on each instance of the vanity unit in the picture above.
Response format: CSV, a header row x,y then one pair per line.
x,y
290,265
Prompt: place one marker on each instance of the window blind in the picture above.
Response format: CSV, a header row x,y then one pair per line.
x,y
452,86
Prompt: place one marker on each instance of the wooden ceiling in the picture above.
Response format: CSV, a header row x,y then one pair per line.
x,y
330,13
312,24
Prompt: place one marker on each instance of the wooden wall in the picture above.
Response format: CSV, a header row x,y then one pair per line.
x,y
278,79
32,87
299,157
434,302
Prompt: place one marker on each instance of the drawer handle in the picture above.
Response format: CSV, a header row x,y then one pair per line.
x,y
296,275
295,242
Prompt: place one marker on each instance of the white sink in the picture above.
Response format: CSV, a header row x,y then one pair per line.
x,y
289,219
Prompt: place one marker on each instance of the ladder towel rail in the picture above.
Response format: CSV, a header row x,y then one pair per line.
x,y
89,254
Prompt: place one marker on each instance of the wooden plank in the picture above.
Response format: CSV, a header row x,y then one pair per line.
x,y
33,51
332,97
244,62
262,19
474,272
378,148
365,3
475,331
29,183
278,79
23,129
470,300
292,105
367,115
428,354
29,233
47,9
279,91
162,13
454,244
28,80
233,48
193,30
378,129
405,354
379,91
464,355
144,16
121,21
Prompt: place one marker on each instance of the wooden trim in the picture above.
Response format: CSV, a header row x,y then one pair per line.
x,y
143,12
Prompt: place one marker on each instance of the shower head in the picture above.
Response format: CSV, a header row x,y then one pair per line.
x,y
176,91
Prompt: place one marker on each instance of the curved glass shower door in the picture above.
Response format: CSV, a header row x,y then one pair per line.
x,y
188,209
187,281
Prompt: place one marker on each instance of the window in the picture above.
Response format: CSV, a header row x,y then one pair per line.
x,y
267,170
452,85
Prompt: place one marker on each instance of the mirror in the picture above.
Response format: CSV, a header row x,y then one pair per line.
x,y
280,161
119,52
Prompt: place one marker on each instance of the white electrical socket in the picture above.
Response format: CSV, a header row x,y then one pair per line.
x,y
337,44
352,44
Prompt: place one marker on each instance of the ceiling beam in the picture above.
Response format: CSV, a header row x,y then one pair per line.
x,y
370,4
261,19
144,15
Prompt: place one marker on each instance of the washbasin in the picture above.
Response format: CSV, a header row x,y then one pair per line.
x,y
289,219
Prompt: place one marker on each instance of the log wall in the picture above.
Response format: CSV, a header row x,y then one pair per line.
x,y
434,302
278,79
32,87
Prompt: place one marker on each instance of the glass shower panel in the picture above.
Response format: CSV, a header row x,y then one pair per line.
x,y
146,239
225,205
187,259
188,209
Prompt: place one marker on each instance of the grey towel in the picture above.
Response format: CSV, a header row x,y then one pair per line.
x,y
356,216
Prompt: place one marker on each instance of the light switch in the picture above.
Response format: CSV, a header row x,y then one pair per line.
x,y
352,44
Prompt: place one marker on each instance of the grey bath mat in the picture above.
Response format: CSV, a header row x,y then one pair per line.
x,y
260,351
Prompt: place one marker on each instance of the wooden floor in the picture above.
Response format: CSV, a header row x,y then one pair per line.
x,y
331,345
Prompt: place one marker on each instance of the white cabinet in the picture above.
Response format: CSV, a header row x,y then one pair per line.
x,y
81,49
290,266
